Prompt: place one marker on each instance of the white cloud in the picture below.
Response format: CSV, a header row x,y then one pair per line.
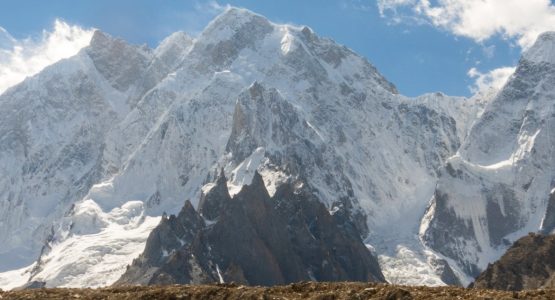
x,y
495,78
214,7
392,5
489,51
26,57
521,20
518,21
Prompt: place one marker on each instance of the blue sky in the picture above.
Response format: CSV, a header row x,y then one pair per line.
x,y
405,39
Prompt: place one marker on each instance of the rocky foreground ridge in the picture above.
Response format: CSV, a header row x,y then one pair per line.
x,y
302,290
528,264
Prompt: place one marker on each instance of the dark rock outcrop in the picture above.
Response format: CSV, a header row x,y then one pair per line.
x,y
445,272
31,285
548,224
528,264
254,239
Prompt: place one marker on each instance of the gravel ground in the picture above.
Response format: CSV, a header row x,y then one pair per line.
x,y
302,290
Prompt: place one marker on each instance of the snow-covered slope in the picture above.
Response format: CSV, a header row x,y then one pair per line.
x,y
497,187
51,135
53,131
98,146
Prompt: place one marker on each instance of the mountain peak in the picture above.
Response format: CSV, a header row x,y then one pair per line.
x,y
256,90
211,202
233,20
543,50
221,180
237,13
102,41
177,39
119,62
100,38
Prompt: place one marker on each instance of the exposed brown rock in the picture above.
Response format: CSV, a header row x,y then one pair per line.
x,y
528,264
301,290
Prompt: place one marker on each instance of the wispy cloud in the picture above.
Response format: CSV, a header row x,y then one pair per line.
x,y
391,6
26,57
213,6
194,20
495,78
359,5
489,51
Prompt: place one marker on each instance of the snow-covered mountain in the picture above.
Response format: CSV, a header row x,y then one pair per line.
x,y
95,148
499,185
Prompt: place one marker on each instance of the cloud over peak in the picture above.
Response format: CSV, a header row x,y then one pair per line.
x,y
26,57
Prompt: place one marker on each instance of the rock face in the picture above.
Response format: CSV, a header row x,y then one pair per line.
x,y
528,264
499,185
254,239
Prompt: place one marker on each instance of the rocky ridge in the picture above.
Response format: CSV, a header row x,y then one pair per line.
x,y
528,264
252,238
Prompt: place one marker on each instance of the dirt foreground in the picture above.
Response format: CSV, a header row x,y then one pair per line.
x,y
303,290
